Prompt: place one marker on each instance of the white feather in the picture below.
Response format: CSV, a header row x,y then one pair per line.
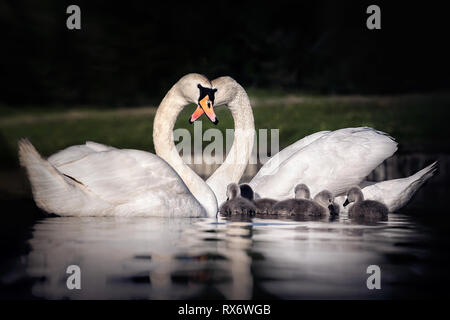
x,y
394,193
335,161
112,182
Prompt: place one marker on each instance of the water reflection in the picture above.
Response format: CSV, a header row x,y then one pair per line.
x,y
153,258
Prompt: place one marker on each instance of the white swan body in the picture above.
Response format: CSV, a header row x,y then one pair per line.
x,y
109,183
272,165
333,160
77,152
98,180
394,193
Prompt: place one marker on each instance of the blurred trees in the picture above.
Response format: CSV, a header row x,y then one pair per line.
x,y
130,53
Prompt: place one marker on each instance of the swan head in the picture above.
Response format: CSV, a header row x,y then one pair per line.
x,y
224,91
302,191
326,199
354,194
196,88
233,191
228,90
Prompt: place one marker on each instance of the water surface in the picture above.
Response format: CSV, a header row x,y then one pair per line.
x,y
157,258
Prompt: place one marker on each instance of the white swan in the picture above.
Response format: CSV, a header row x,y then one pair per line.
x,y
306,160
333,160
394,193
316,160
98,180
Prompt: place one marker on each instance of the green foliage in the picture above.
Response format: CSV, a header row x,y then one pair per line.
x,y
417,122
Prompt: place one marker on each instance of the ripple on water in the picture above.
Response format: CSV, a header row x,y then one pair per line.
x,y
156,258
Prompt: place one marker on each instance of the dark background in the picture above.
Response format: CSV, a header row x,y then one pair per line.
x,y
130,53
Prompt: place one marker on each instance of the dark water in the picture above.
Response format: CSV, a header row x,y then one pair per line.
x,y
155,258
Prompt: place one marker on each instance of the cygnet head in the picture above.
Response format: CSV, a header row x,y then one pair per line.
x,y
302,191
247,192
354,195
326,199
233,191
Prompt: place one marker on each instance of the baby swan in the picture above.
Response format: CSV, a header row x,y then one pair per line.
x,y
364,208
263,205
322,205
235,204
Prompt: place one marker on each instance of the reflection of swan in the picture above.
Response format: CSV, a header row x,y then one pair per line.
x,y
364,208
124,257
96,180
333,160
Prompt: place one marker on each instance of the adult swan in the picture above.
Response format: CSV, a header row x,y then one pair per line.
x,y
97,180
333,160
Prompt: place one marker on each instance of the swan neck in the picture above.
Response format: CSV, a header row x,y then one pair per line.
x,y
236,161
360,197
163,125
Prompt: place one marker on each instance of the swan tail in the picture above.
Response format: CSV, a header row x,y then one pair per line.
x,y
420,177
52,191
415,182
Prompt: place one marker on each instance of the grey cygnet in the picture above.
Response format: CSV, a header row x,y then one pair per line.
x,y
236,204
322,205
364,208
263,205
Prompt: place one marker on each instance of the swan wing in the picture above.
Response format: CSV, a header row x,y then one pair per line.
x,y
398,192
77,152
334,161
55,192
133,179
271,166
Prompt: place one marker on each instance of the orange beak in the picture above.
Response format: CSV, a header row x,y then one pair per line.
x,y
205,106
197,113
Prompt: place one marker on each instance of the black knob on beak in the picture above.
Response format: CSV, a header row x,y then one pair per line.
x,y
346,202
